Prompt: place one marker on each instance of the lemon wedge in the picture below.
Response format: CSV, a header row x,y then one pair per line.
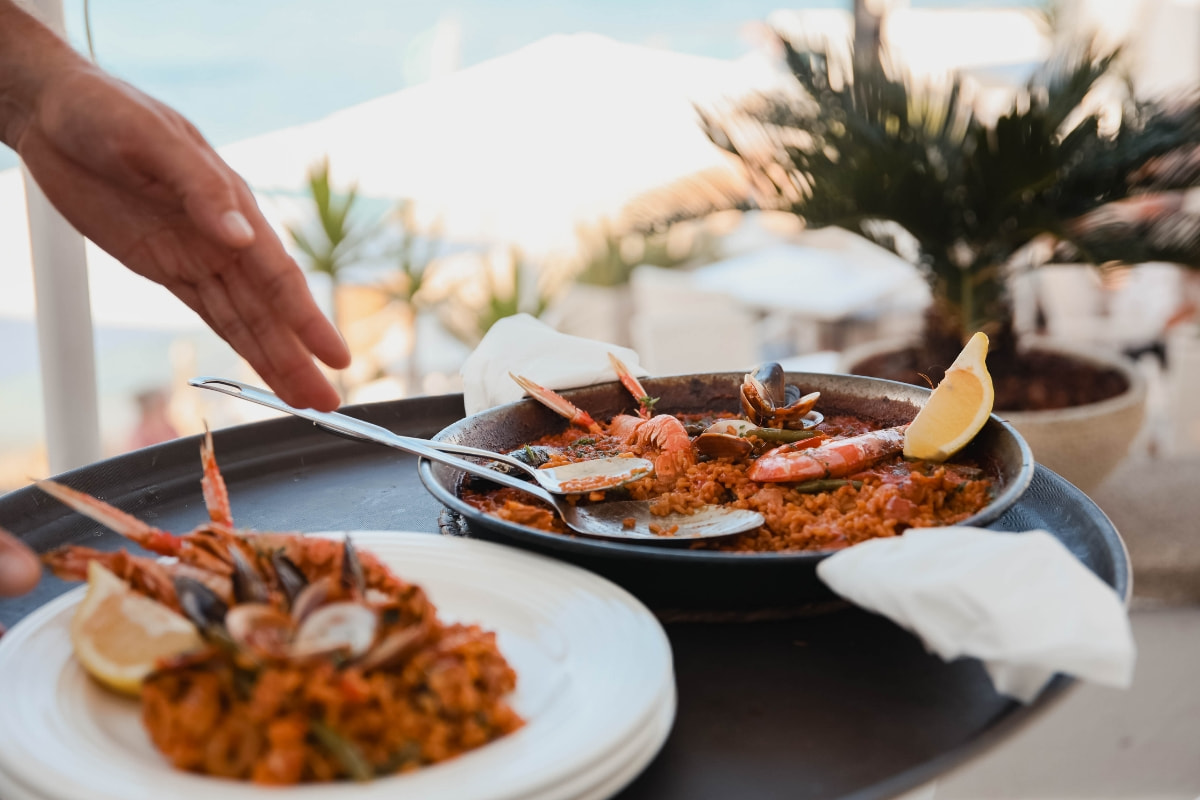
x,y
119,635
957,409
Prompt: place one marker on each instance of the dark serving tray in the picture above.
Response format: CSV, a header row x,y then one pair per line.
x,y
841,704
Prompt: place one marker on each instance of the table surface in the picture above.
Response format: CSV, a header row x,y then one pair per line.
x,y
841,704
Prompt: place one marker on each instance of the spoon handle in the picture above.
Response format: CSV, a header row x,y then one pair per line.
x,y
342,423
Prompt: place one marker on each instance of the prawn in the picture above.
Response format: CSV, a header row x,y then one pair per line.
x,y
832,459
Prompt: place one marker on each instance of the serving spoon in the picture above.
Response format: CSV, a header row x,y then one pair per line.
x,y
621,519
593,475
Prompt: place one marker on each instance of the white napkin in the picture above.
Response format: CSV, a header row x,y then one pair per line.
x,y
525,346
1020,602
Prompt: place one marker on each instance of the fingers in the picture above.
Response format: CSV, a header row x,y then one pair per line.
x,y
207,188
271,347
19,567
251,326
219,256
272,273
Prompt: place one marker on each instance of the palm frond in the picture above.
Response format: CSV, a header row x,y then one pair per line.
x,y
973,192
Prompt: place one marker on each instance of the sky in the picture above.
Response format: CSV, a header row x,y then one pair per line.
x,y
237,69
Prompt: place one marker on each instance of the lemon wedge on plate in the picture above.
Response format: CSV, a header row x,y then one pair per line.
x,y
119,635
957,409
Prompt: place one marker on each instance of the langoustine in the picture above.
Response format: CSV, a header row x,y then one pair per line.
x,y
318,662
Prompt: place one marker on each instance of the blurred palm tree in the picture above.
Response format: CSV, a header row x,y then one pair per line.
x,y
863,147
337,240
414,255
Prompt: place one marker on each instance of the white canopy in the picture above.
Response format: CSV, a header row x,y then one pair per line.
x,y
522,147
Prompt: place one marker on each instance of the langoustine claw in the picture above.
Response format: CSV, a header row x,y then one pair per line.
x,y
663,433
558,404
836,459
216,497
634,387
150,577
267,593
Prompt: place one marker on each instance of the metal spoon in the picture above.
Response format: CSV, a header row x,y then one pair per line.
x,y
625,519
586,476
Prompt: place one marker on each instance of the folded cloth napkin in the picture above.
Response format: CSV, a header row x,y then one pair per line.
x,y
525,346
1019,602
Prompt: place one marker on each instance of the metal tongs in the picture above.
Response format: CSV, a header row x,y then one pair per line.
x,y
621,519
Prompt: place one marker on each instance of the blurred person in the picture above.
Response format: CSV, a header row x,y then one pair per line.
x,y
139,180
153,425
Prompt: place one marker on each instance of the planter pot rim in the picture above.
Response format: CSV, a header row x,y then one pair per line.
x,y
1133,394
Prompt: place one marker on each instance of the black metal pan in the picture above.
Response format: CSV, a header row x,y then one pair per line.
x,y
673,577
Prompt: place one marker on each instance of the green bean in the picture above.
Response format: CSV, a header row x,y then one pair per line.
x,y
344,750
408,754
780,435
824,485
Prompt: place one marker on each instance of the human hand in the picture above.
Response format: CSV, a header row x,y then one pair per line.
x,y
19,567
137,179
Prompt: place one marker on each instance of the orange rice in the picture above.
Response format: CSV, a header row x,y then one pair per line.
x,y
893,495
274,723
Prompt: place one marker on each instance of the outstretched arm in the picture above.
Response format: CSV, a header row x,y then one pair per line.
x,y
137,179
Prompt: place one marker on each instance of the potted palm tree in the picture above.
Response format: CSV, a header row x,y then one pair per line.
x,y
973,201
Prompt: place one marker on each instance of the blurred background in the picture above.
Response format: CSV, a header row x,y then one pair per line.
x,y
607,166
438,166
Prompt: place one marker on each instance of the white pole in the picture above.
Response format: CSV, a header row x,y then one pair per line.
x,y
64,316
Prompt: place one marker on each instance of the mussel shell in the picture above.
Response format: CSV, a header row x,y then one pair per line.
x,y
352,569
248,584
533,455
289,577
199,603
771,376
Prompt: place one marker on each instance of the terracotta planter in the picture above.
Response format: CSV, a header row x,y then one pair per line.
x,y
1084,444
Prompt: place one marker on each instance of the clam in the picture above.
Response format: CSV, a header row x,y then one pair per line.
x,y
396,646
348,628
260,630
311,597
726,438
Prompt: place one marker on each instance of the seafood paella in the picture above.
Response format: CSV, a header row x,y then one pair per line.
x,y
822,481
313,661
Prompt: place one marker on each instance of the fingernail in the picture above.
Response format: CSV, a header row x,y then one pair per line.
x,y
236,227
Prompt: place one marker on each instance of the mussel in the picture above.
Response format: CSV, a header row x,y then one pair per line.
x,y
770,402
533,455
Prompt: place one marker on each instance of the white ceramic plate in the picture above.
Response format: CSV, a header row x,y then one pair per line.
x,y
593,665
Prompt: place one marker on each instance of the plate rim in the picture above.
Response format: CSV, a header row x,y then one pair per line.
x,y
650,631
